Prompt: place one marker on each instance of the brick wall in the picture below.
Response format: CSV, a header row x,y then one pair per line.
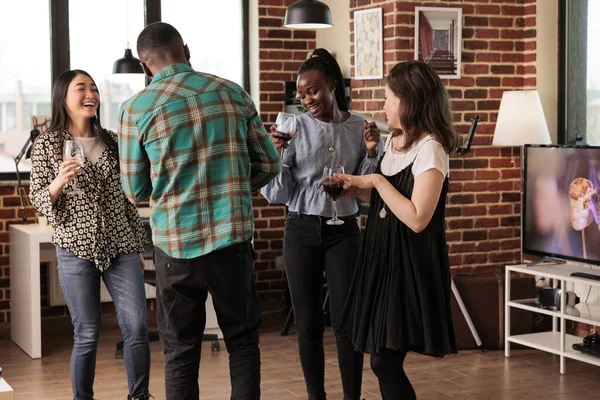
x,y
498,54
281,53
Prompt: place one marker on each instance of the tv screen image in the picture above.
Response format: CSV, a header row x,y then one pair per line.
x,y
561,202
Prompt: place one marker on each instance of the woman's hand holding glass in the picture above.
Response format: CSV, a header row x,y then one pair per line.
x,y
333,186
67,171
283,130
73,161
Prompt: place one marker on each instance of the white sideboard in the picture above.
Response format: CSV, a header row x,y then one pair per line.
x,y
556,341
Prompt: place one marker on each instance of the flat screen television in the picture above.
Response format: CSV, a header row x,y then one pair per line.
x,y
561,202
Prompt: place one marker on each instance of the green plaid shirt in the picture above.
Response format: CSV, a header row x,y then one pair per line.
x,y
194,145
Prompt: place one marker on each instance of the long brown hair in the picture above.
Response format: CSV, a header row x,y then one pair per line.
x,y
424,104
60,117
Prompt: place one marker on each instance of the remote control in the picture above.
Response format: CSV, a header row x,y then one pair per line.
x,y
586,275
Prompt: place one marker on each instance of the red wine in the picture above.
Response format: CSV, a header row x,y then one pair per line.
x,y
333,188
283,136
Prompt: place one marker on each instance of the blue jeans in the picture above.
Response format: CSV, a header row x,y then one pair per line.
x,y
80,283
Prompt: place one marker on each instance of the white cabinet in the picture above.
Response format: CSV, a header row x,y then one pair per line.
x,y
556,341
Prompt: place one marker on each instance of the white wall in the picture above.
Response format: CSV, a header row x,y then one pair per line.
x,y
254,53
337,38
547,61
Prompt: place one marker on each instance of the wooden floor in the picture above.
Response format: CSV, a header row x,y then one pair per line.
x,y
528,374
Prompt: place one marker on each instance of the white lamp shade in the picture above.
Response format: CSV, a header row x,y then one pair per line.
x,y
521,120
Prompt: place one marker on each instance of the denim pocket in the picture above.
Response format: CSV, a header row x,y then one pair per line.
x,y
291,216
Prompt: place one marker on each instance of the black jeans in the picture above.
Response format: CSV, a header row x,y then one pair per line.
x,y
310,247
182,288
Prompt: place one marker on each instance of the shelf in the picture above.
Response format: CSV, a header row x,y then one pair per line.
x,y
588,314
558,271
584,313
546,341
533,305
550,342
579,356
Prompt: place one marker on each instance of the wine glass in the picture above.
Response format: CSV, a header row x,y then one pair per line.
x,y
285,126
333,187
73,150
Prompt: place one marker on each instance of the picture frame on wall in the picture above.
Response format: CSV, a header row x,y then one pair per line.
x,y
368,44
438,39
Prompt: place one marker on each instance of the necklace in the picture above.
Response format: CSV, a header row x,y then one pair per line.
x,y
331,148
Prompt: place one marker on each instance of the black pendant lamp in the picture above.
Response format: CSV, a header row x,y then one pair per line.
x,y
308,14
128,64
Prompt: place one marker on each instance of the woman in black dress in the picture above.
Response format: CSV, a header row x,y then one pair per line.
x,y
400,295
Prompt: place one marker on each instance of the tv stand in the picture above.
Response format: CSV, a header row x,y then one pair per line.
x,y
556,341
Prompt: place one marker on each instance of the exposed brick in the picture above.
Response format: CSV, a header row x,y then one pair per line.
x,y
475,186
476,93
476,163
487,9
488,198
475,258
460,224
461,199
501,233
468,211
475,235
487,222
476,44
488,81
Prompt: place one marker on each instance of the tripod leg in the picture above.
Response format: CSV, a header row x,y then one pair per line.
x,y
288,323
465,314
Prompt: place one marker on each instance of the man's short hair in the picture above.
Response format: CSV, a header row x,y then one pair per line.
x,y
158,37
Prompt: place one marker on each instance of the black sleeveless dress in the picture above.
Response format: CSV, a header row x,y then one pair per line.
x,y
400,294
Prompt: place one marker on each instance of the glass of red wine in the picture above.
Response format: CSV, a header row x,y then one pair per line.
x,y
333,187
285,126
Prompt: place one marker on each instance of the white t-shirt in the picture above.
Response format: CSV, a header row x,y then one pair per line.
x,y
428,153
92,148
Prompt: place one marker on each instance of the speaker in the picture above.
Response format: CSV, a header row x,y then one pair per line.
x,y
550,298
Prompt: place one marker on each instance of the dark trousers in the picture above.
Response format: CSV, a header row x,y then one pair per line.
x,y
182,288
311,247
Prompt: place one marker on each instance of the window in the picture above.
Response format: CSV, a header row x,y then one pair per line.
x,y
214,33
26,78
95,37
99,33
580,82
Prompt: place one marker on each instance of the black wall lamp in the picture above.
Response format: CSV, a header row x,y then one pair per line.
x,y
308,14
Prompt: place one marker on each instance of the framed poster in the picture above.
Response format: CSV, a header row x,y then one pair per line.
x,y
368,44
438,39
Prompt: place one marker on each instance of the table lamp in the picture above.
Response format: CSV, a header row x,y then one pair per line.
x,y
521,120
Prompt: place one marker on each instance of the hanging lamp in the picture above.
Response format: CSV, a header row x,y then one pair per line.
x,y
308,14
128,64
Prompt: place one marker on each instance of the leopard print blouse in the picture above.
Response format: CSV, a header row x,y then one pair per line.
x,y
98,224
